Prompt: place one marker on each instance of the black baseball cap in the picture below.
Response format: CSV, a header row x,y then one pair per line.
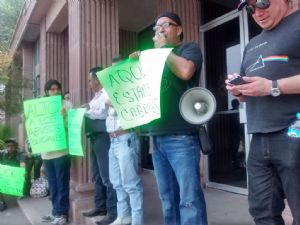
x,y
172,16
242,4
11,140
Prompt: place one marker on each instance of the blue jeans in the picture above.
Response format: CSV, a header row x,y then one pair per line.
x,y
176,161
123,163
274,174
105,195
58,176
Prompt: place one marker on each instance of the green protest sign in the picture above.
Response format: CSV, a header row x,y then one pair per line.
x,y
45,124
75,118
134,87
12,180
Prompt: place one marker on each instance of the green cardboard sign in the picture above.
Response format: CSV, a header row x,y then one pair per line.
x,y
75,119
12,180
133,87
45,124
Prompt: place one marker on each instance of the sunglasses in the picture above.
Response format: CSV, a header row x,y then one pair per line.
x,y
164,25
261,4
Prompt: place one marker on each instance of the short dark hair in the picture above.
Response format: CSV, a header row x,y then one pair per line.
x,y
117,59
174,17
49,84
94,70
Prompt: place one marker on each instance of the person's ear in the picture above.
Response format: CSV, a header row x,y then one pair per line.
x,y
179,31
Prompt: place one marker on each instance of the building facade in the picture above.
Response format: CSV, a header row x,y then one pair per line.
x,y
63,39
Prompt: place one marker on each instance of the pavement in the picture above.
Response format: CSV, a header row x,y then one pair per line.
x,y
13,214
223,208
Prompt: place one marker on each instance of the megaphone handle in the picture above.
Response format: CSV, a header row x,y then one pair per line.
x,y
205,141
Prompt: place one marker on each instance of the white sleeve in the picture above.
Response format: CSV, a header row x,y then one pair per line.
x,y
98,109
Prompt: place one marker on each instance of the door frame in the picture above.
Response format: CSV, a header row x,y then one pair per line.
x,y
244,39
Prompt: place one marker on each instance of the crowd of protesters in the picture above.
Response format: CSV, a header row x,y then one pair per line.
x,y
176,156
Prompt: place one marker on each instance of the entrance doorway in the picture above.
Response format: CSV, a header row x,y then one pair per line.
x,y
224,37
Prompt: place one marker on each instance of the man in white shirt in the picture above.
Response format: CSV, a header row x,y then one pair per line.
x,y
105,196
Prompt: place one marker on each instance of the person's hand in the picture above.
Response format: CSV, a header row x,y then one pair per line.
x,y
108,102
255,86
159,40
233,88
135,55
87,106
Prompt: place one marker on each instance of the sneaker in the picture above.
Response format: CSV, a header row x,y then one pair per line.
x,y
60,220
48,218
122,221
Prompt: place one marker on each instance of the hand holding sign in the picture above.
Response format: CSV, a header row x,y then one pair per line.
x,y
44,124
134,87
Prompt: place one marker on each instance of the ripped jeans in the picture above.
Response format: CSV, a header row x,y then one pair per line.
x,y
176,164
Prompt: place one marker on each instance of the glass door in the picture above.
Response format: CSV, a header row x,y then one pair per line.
x,y
223,44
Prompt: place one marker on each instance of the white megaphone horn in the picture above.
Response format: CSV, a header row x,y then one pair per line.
x,y
197,106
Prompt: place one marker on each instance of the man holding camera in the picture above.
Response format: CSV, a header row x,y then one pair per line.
x,y
271,72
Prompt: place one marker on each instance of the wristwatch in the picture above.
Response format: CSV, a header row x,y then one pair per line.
x,y
275,91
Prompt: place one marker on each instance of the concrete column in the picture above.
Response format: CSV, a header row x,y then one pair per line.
x,y
54,56
93,41
27,76
27,72
43,56
296,4
57,55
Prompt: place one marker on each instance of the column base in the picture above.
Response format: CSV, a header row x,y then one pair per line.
x,y
81,199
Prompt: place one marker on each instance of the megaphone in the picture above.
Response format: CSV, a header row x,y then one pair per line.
x,y
197,106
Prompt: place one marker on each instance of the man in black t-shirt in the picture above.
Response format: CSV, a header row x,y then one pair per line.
x,y
271,70
176,149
